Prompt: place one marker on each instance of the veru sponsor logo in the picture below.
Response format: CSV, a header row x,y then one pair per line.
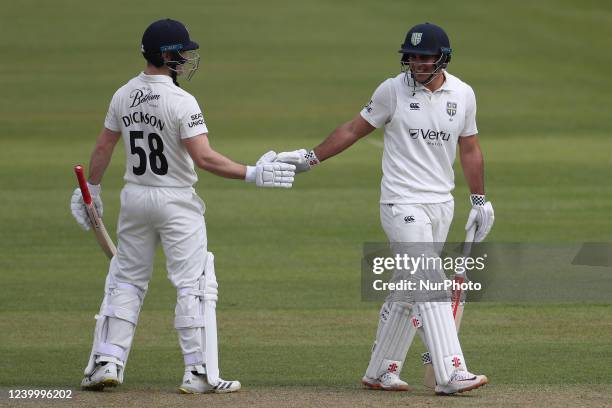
x,y
429,134
143,95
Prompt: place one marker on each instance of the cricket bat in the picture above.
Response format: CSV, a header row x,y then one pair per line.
x,y
458,304
105,241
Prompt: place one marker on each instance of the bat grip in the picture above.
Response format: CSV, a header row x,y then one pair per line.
x,y
456,295
78,170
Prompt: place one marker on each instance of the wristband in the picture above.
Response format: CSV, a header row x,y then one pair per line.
x,y
477,199
251,173
311,158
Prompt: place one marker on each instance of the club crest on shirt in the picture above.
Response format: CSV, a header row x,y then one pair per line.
x,y
451,108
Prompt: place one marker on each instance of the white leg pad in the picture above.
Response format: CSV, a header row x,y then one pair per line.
x,y
440,337
115,325
196,323
394,337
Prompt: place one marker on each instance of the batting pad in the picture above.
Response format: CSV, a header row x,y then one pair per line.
x,y
196,323
115,325
394,336
440,337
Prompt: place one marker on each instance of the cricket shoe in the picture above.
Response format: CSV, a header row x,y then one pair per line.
x,y
386,382
462,381
194,383
104,375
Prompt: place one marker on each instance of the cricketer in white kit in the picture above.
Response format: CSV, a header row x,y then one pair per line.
x,y
164,133
425,112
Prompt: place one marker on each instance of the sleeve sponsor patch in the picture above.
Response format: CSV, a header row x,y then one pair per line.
x,y
196,120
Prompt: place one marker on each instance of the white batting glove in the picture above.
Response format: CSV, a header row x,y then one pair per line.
x,y
267,157
267,173
302,159
77,205
481,215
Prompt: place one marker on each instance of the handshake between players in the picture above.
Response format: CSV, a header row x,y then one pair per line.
x,y
159,204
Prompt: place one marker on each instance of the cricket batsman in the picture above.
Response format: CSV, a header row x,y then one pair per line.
x,y
425,112
165,134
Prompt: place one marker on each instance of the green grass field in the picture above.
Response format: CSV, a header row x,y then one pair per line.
x,y
281,75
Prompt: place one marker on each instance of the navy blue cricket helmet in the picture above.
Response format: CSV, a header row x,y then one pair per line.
x,y
427,39
165,35
171,36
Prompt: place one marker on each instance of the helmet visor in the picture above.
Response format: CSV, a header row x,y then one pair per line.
x,y
186,63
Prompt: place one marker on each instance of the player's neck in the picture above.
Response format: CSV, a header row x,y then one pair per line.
x,y
437,82
153,70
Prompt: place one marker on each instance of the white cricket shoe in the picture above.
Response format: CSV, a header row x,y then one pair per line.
x,y
194,383
386,382
462,381
104,375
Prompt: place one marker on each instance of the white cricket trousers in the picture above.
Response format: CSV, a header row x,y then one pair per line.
x,y
149,215
419,224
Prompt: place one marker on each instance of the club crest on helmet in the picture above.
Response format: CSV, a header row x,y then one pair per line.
x,y
415,39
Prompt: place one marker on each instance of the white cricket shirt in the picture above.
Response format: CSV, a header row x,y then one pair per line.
x,y
153,116
421,134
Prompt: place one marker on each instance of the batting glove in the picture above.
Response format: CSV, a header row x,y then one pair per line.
x,y
77,205
267,173
302,159
481,215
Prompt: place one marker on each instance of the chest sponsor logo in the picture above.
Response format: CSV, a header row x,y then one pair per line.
x,y
451,108
429,134
414,106
143,95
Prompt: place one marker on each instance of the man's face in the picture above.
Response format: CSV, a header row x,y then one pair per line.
x,y
422,66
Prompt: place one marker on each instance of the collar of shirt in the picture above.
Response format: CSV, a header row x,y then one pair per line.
x,y
449,85
155,78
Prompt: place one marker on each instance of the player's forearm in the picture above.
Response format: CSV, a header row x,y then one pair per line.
x,y
222,166
100,158
473,169
101,155
339,140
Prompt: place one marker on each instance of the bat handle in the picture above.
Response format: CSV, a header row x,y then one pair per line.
x,y
456,294
469,234
78,170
